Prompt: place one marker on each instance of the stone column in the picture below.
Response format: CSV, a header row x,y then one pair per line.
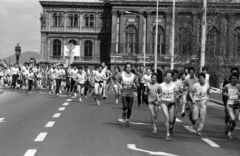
x,y
96,53
48,48
114,32
168,16
80,21
140,33
49,20
65,21
149,41
121,33
230,43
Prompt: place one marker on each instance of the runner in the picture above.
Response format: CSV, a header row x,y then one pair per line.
x,y
225,98
205,71
183,99
1,78
25,73
128,81
63,77
106,78
179,86
15,75
147,78
188,84
52,81
152,91
80,80
30,77
39,77
58,78
73,87
232,91
88,81
98,84
169,96
140,87
115,79
199,95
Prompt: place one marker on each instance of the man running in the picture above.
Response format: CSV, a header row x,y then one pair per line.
x,y
140,87
199,95
98,84
115,79
80,80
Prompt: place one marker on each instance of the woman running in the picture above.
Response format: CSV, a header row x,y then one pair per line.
x,y
168,98
106,78
146,79
232,91
152,91
128,81
81,80
115,79
73,72
98,84
183,99
39,77
199,95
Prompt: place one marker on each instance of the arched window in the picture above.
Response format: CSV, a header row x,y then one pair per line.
x,y
73,42
160,43
185,43
212,40
55,19
89,20
56,48
75,20
88,49
131,39
70,20
237,40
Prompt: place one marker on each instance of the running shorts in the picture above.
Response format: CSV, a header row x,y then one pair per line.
x,y
81,85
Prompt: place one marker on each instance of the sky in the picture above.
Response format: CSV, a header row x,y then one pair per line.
x,y
19,23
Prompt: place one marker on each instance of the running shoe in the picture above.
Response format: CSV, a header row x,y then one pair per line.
x,y
226,130
104,97
124,114
154,129
85,96
191,126
230,137
80,100
127,122
183,114
199,133
116,101
98,102
57,95
171,129
167,138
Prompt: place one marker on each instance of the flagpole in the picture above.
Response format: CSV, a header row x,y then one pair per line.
x,y
173,36
156,39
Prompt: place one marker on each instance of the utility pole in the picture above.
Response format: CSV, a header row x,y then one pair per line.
x,y
156,40
204,33
173,36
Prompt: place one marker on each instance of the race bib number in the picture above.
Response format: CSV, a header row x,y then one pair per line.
x,y
153,94
168,94
201,95
127,85
233,94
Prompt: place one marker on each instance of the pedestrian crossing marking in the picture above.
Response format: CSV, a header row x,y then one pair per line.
x,y
30,152
69,99
191,130
41,136
210,142
2,119
65,104
135,123
133,147
178,120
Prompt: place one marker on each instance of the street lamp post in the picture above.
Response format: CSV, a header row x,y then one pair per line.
x,y
17,52
144,35
156,39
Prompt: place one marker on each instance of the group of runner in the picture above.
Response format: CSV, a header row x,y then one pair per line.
x,y
184,88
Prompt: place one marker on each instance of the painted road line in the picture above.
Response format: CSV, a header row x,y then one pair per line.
x,y
69,99
30,152
210,142
50,124
133,147
213,104
56,115
237,127
65,104
61,109
41,136
2,119
191,130
63,95
135,123
178,120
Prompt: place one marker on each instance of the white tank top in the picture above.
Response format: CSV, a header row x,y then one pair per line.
x,y
81,78
168,91
200,92
127,82
99,76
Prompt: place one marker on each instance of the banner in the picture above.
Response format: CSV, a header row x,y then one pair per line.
x,y
76,51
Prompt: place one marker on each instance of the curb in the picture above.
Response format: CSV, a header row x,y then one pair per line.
x,y
216,101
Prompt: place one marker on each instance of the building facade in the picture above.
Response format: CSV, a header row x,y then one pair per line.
x,y
102,31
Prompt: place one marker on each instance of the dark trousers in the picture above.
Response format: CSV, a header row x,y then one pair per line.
x,y
14,81
73,87
127,105
58,83
87,84
140,94
30,83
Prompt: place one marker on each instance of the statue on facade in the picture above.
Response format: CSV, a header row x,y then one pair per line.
x,y
43,19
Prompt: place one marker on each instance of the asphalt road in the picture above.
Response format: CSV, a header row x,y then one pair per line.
x,y
44,125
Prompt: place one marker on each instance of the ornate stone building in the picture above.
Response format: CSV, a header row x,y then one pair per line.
x,y
103,31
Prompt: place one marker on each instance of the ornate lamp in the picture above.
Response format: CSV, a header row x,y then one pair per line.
x,y
17,52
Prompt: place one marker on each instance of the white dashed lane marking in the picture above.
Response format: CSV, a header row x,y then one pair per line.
x,y
56,115
211,143
50,124
178,120
65,104
30,152
191,130
61,109
69,99
41,136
